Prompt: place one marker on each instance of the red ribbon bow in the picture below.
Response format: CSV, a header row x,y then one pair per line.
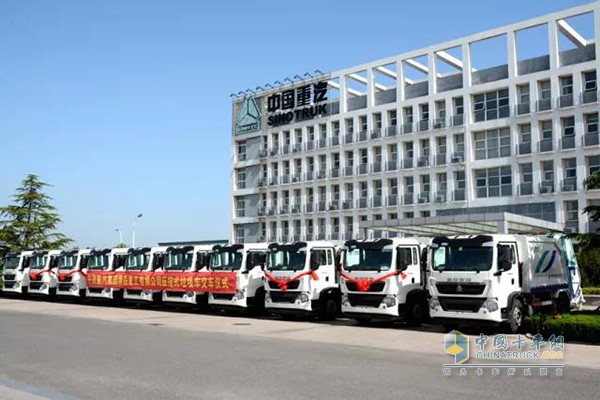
x,y
34,275
363,284
62,277
282,282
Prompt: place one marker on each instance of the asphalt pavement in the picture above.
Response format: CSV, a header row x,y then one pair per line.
x,y
73,351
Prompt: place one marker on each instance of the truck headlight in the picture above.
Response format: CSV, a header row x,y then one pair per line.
x,y
389,301
303,297
490,304
240,294
345,300
434,303
268,297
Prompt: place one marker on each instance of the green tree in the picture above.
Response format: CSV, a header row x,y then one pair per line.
x,y
121,246
31,222
588,256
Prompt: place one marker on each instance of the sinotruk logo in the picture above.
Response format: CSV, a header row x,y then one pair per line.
x,y
248,118
457,344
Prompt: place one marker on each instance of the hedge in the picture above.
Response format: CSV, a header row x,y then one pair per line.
x,y
583,326
591,290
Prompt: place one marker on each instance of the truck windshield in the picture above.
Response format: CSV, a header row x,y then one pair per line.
x,y
137,261
369,259
178,260
462,258
38,262
226,260
97,262
67,262
284,259
11,262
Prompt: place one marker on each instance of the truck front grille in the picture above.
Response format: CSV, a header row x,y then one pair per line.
x,y
8,277
460,288
178,295
65,287
222,296
35,285
293,285
283,297
375,287
365,300
468,304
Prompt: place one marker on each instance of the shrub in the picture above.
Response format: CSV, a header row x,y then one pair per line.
x,y
591,290
589,264
581,326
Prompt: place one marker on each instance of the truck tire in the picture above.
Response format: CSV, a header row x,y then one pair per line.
x,y
329,307
416,311
515,316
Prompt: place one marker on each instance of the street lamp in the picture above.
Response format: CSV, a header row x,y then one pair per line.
x,y
133,229
120,235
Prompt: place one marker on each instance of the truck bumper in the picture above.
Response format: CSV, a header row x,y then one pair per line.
x,y
69,290
144,296
183,297
100,293
482,317
13,287
229,301
295,307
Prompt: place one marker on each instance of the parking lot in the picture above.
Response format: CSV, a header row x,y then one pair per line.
x,y
70,350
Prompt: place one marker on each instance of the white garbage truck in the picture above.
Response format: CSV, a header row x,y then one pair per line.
x,y
42,272
144,259
383,279
15,273
499,278
106,260
182,260
247,262
303,278
71,269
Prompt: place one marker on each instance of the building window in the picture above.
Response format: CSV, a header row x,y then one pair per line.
x,y
336,128
239,234
546,130
545,90
363,123
548,171
523,94
526,173
377,121
492,144
409,215
458,106
591,123
570,168
491,105
241,179
525,133
593,163
568,126
589,81
241,151
493,182
392,118
566,85
572,214
240,206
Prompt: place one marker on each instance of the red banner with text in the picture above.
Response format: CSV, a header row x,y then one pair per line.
x,y
214,282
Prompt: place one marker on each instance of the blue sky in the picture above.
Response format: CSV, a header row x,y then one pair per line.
x,y
124,107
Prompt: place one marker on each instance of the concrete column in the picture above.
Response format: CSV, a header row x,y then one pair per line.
x,y
503,227
343,95
553,44
512,54
432,73
370,93
466,53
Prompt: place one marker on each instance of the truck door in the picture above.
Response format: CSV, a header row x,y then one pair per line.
x,y
508,279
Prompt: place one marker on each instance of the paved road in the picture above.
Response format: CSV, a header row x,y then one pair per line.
x,y
66,351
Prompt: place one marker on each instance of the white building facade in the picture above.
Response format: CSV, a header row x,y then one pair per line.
x,y
504,120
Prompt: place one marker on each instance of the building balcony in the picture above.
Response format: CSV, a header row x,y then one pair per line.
x,y
285,149
322,174
391,131
423,161
547,187
261,211
297,147
567,142
334,205
423,125
591,139
274,181
335,173
363,202
272,210
458,157
377,201
544,104
459,194
440,196
439,123
349,138
590,96
569,185
297,178
335,141
408,198
274,151
308,208
423,198
408,163
309,176
362,169
546,145
522,108
322,143
376,133
262,153
348,204
565,101
524,148
295,209
391,165
392,200
349,170
362,136
407,128
458,120
310,145
440,159
526,189
376,167
284,209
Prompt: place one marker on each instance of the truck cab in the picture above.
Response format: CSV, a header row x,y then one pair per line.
x,y
71,273
106,260
15,273
42,272
180,259
500,278
303,278
144,259
247,262
382,279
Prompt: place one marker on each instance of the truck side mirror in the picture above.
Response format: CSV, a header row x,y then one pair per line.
x,y
424,259
403,258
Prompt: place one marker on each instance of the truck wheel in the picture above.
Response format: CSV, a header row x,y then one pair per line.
x,y
416,312
330,308
515,316
563,303
363,321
